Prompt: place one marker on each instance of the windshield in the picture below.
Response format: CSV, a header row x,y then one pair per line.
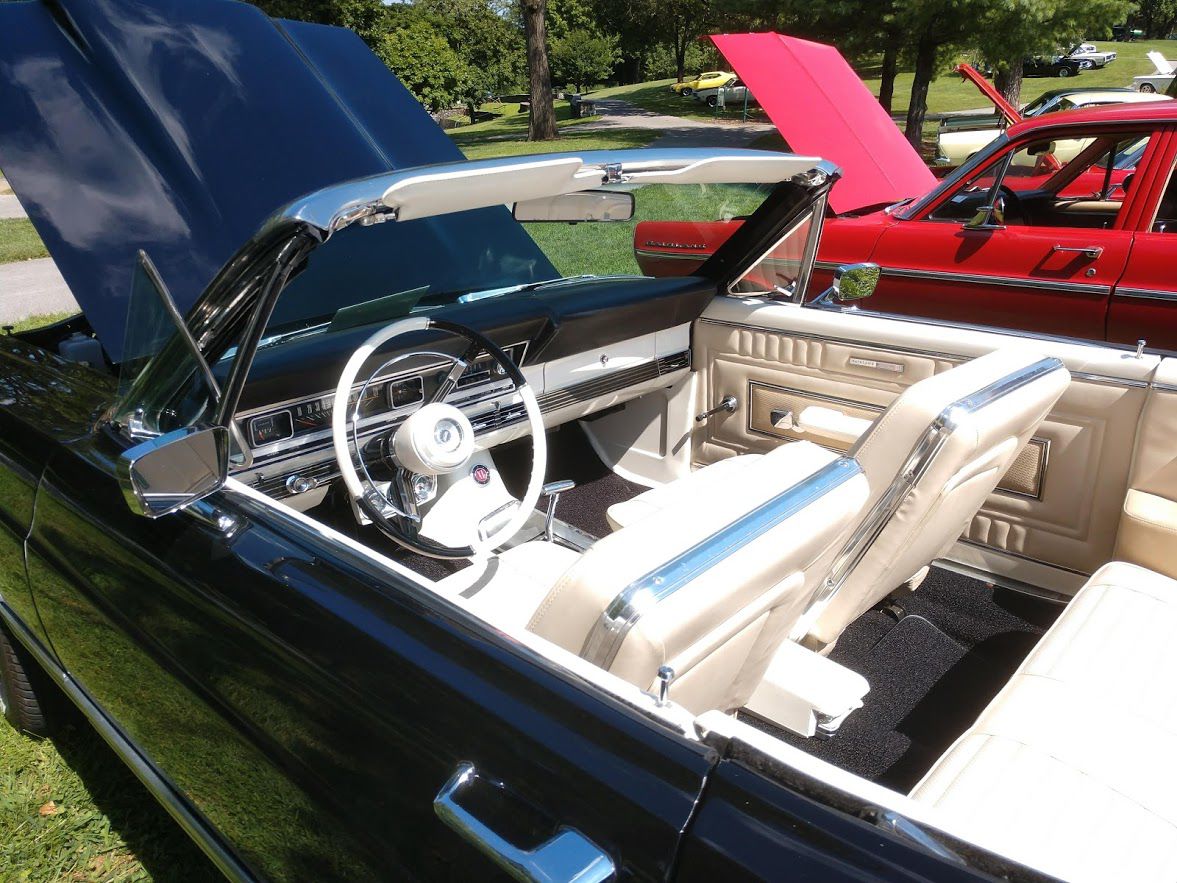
x,y
381,272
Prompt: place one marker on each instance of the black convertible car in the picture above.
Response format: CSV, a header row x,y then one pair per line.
x,y
389,525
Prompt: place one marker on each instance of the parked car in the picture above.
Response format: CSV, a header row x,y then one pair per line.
x,y
1161,77
959,137
277,543
734,92
705,80
1089,56
1051,66
1077,246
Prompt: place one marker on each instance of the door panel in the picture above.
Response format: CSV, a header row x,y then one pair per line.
x,y
1144,305
1060,502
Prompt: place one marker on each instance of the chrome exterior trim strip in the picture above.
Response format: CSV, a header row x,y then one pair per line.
x,y
922,455
188,817
948,357
643,594
1010,281
1146,293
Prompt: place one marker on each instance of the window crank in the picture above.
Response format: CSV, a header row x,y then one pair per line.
x,y
727,403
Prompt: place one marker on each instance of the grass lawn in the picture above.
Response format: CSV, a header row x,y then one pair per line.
x,y
70,810
19,241
30,322
607,139
655,96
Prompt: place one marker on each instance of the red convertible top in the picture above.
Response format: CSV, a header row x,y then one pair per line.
x,y
822,108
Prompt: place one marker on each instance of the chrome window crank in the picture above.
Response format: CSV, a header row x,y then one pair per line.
x,y
727,403
567,856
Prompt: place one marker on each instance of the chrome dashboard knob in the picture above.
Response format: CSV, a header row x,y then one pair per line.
x,y
300,484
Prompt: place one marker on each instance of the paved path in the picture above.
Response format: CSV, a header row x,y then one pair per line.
x,y
11,208
32,288
676,131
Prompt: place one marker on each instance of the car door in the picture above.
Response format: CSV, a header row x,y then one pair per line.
x,y
1144,302
302,705
1053,518
1044,260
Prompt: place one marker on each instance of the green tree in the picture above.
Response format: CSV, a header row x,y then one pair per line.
x,y
423,60
582,57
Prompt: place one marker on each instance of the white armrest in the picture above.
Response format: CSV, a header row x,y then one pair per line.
x,y
803,691
832,423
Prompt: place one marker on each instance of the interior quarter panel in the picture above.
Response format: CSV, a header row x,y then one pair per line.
x,y
866,360
312,703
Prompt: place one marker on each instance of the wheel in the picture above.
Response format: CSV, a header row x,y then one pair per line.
x,y
1064,71
712,101
687,92
1148,88
23,688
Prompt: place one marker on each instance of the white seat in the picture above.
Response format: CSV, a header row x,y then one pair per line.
x,y
709,589
1070,769
931,459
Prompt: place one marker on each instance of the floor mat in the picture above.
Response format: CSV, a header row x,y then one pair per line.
x,y
931,674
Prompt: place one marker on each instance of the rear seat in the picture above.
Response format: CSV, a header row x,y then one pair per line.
x,y
1070,769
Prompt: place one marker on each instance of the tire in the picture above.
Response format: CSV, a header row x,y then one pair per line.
x,y
1064,71
24,688
1148,88
712,101
687,92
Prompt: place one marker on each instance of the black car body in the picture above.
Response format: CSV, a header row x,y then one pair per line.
x,y
1051,66
287,686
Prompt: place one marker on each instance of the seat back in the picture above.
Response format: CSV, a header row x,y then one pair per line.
x,y
931,459
699,587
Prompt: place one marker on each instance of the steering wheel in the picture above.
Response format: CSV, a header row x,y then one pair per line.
x,y
436,439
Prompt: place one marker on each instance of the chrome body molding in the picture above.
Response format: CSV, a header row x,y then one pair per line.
x,y
1008,281
643,594
1146,293
957,358
187,816
923,455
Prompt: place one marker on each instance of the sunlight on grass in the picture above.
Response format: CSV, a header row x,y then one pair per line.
x,y
30,322
19,241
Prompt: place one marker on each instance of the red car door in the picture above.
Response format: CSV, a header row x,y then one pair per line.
x,y
1045,260
1144,303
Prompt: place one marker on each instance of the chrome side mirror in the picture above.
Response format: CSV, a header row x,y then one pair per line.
x,y
988,217
852,282
171,471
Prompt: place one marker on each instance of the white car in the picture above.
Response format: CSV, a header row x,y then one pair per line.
x,y
956,140
1089,56
1160,79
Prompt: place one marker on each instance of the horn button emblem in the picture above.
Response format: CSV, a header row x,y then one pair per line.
x,y
480,474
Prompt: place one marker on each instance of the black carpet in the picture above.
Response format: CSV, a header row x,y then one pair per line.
x,y
931,674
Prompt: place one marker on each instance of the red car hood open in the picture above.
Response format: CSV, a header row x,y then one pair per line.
x,y
822,108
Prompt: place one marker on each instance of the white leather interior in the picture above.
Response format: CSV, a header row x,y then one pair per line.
x,y
1054,540
1070,769
720,627
964,471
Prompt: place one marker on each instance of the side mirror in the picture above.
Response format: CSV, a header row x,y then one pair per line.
x,y
988,217
169,472
852,282
574,208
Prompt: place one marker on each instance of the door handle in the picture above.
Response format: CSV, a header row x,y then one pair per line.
x,y
569,855
1089,251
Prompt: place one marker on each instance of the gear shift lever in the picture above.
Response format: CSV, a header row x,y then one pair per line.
x,y
553,489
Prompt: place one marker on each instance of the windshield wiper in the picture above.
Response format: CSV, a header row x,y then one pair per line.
x,y
545,283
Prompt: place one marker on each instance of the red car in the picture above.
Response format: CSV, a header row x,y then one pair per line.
x,y
1016,238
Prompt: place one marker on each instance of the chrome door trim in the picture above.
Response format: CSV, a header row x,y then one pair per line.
x,y
604,640
1021,557
188,817
1106,379
922,455
1146,293
1008,281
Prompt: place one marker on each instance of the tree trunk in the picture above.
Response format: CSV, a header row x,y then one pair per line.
x,y
888,73
917,107
542,117
1009,83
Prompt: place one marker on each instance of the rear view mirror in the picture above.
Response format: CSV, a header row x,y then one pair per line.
x,y
169,472
574,208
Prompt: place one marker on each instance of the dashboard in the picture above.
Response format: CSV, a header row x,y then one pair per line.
x,y
579,356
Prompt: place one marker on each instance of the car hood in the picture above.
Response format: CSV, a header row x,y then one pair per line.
x,y
178,126
822,108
